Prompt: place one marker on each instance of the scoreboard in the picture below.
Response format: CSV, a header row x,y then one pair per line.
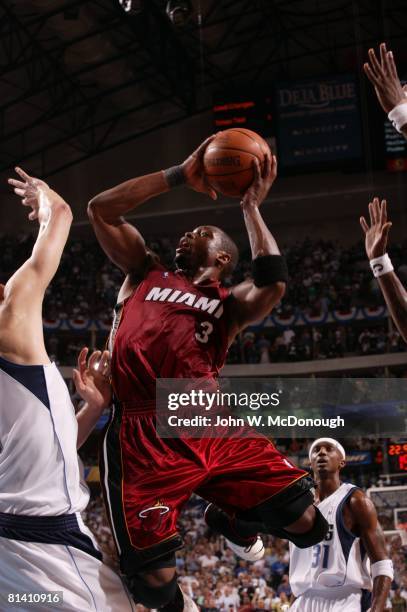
x,y
397,454
318,121
315,121
311,123
252,112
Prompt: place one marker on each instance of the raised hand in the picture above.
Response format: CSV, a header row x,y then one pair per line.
x,y
262,181
92,378
376,234
383,75
194,173
36,194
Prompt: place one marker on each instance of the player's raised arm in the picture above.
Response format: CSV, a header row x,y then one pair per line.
x,y
390,93
120,240
54,217
376,236
365,520
22,338
254,299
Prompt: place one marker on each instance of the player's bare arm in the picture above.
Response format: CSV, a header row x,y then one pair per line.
x,y
376,236
361,518
22,338
121,241
91,378
390,93
254,299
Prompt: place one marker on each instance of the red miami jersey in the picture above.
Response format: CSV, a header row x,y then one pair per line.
x,y
169,328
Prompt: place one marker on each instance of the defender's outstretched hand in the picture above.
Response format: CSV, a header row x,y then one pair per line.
x,y
92,378
383,75
36,194
194,173
262,182
377,233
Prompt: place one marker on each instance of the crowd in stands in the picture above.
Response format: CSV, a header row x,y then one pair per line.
x,y
218,581
323,278
304,343
266,346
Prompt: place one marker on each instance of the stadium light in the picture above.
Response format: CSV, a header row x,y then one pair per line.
x,y
178,12
133,7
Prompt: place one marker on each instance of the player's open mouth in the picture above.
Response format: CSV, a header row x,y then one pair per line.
x,y
183,245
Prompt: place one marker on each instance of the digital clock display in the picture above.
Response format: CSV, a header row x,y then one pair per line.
x,y
397,449
397,453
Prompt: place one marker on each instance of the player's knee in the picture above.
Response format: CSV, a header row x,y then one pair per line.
x,y
317,529
153,590
305,522
158,577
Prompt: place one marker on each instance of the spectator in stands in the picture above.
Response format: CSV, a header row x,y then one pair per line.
x,y
229,601
399,603
284,586
263,346
208,560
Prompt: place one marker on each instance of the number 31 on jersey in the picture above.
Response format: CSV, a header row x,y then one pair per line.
x,y
321,551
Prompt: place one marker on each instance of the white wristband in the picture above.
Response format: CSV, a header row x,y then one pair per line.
x,y
381,265
383,568
398,116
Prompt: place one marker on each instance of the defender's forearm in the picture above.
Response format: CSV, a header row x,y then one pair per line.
x,y
127,196
87,417
261,239
381,589
396,300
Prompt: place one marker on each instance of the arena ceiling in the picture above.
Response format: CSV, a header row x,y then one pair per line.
x,y
79,77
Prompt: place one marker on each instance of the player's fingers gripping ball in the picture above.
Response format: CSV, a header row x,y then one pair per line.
x,y
228,160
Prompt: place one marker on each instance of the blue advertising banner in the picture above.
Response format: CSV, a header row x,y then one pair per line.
x,y
318,121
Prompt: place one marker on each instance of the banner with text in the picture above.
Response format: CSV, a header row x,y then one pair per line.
x,y
318,121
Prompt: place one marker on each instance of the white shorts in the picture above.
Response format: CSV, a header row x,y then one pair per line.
x,y
87,584
308,602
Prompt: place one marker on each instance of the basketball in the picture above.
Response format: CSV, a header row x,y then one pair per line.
x,y
228,160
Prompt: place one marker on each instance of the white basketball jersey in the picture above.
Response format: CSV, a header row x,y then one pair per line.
x,y
39,470
338,561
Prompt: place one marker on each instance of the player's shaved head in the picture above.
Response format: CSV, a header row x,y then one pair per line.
x,y
207,246
227,245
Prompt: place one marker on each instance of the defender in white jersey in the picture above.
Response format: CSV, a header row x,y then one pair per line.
x,y
336,574
44,545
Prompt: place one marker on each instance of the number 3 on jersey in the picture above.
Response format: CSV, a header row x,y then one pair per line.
x,y
205,330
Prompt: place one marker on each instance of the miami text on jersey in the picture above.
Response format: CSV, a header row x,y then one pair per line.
x,y
200,302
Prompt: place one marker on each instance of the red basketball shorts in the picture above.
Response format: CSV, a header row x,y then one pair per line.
x,y
146,481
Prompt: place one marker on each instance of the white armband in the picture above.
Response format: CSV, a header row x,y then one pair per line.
x,y
398,116
381,265
383,568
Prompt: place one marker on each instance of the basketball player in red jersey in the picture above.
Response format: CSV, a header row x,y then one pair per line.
x,y
180,324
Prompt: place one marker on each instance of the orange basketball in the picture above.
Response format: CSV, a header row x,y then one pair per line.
x,y
228,160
